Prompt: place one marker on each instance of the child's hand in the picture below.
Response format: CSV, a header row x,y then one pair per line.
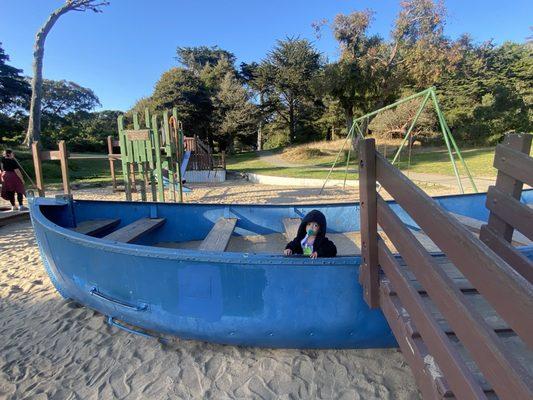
x,y
314,254
288,252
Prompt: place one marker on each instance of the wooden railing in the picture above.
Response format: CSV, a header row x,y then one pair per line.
x,y
509,293
506,212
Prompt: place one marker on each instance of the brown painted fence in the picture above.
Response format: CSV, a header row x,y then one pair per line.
x,y
508,292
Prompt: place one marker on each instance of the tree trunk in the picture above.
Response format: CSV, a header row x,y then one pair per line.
x,y
292,122
348,111
260,126
34,124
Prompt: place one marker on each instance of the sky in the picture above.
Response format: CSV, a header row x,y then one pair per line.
x,y
121,53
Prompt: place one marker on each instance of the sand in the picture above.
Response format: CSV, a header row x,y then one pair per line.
x,y
51,348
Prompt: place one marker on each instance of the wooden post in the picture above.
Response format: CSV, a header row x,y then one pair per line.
x,y
124,157
63,159
369,271
508,185
139,158
159,170
111,162
223,159
37,165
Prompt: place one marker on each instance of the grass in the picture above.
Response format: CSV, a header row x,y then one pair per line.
x,y
315,164
250,162
88,172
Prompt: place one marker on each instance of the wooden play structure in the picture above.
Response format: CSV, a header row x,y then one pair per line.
x,y
142,165
463,318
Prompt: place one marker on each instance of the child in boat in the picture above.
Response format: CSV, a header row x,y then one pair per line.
x,y
311,239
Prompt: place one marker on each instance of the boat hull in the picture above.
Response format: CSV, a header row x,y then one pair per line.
x,y
228,298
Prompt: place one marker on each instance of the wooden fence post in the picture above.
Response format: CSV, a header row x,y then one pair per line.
x,y
63,159
369,271
37,165
111,162
508,185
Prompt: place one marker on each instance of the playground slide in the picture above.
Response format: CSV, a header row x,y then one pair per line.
x,y
185,162
166,183
183,168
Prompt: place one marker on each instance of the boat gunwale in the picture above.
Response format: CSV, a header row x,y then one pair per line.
x,y
352,261
206,256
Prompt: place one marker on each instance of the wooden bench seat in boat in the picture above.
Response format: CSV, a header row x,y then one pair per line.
x,y
95,226
135,230
218,238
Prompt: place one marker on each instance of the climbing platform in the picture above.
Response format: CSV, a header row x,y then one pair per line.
x,y
462,317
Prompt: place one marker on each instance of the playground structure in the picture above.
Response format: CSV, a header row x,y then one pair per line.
x,y
139,156
144,169
428,95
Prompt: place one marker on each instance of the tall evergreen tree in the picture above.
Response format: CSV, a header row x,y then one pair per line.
x,y
14,89
289,70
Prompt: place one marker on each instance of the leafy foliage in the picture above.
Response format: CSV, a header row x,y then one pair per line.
x,y
14,90
294,95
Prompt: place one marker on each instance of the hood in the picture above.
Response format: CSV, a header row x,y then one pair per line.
x,y
313,216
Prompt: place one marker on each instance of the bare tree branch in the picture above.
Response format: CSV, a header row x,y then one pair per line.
x,y
34,123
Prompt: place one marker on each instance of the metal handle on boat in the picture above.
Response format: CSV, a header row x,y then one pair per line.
x,y
111,321
141,307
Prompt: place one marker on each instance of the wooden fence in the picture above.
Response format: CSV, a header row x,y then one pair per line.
x,y
489,266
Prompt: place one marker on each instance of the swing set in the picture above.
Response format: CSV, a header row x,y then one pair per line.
x,y
429,95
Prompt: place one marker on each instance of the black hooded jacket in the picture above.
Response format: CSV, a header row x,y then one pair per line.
x,y
322,245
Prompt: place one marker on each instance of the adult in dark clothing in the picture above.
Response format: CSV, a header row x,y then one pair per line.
x,y
12,180
311,238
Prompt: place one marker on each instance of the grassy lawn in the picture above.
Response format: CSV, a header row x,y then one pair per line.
x,y
250,162
432,161
435,161
87,172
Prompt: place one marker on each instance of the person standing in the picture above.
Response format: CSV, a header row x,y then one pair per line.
x,y
12,180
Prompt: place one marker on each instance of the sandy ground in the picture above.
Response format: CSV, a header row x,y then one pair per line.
x,y
51,348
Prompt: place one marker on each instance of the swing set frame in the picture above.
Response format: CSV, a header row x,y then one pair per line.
x,y
428,95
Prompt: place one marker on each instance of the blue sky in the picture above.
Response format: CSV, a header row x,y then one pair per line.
x,y
121,53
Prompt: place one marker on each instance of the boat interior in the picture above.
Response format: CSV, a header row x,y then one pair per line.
x,y
248,229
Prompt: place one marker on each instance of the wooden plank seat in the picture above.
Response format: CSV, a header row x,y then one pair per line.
x,y
218,238
291,226
93,227
474,225
133,231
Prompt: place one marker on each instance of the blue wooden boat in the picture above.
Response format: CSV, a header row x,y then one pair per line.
x,y
150,268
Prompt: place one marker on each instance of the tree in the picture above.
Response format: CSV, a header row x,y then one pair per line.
x,y
290,69
181,88
63,97
13,87
234,115
197,58
34,123
86,131
258,82
490,91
